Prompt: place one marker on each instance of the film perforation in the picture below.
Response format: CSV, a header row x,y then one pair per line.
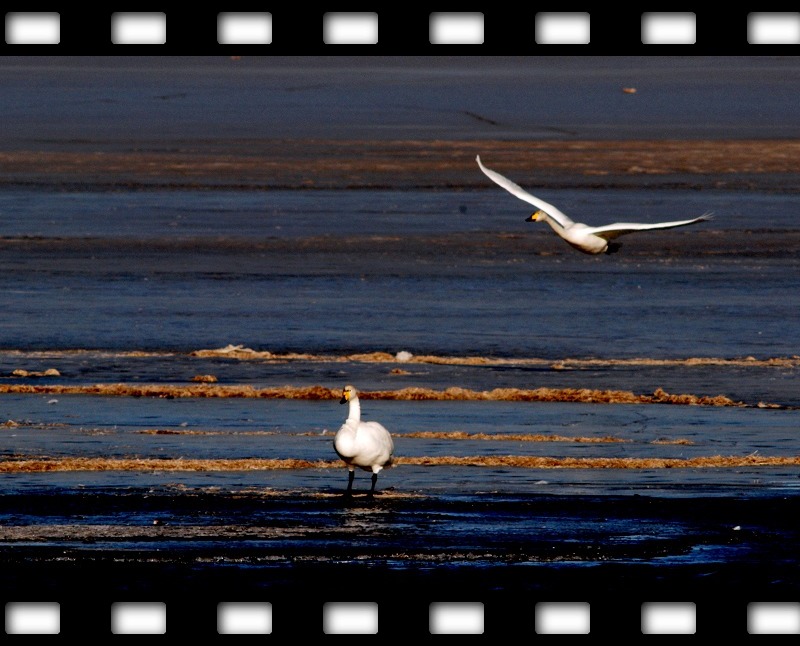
x,y
361,33
316,618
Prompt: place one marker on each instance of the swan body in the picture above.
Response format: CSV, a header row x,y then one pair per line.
x,y
590,240
363,444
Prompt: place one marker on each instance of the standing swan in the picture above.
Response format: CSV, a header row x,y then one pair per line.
x,y
367,445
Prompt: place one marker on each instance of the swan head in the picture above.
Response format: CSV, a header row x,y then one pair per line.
x,y
535,217
348,393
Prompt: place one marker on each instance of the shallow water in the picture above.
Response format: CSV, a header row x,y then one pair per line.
x,y
200,271
267,429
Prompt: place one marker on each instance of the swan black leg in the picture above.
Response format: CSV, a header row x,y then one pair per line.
x,y
374,482
350,476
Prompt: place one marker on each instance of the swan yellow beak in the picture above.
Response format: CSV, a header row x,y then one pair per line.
x,y
534,216
345,396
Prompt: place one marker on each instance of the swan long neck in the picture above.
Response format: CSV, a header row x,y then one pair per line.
x,y
354,414
554,224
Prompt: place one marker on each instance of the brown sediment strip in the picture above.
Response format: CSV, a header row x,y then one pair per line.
x,y
534,437
93,533
58,353
509,437
533,462
583,395
170,431
747,362
421,435
320,163
156,464
176,391
41,465
243,353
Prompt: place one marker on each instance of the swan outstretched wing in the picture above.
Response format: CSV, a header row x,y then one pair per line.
x,y
611,231
522,194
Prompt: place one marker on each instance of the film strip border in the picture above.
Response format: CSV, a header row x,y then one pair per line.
x,y
298,31
311,619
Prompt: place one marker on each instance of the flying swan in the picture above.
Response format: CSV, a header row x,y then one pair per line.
x,y
367,445
591,240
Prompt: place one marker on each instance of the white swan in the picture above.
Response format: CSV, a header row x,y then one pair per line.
x,y
367,445
591,240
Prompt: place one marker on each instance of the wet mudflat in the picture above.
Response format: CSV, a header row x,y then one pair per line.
x,y
136,544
